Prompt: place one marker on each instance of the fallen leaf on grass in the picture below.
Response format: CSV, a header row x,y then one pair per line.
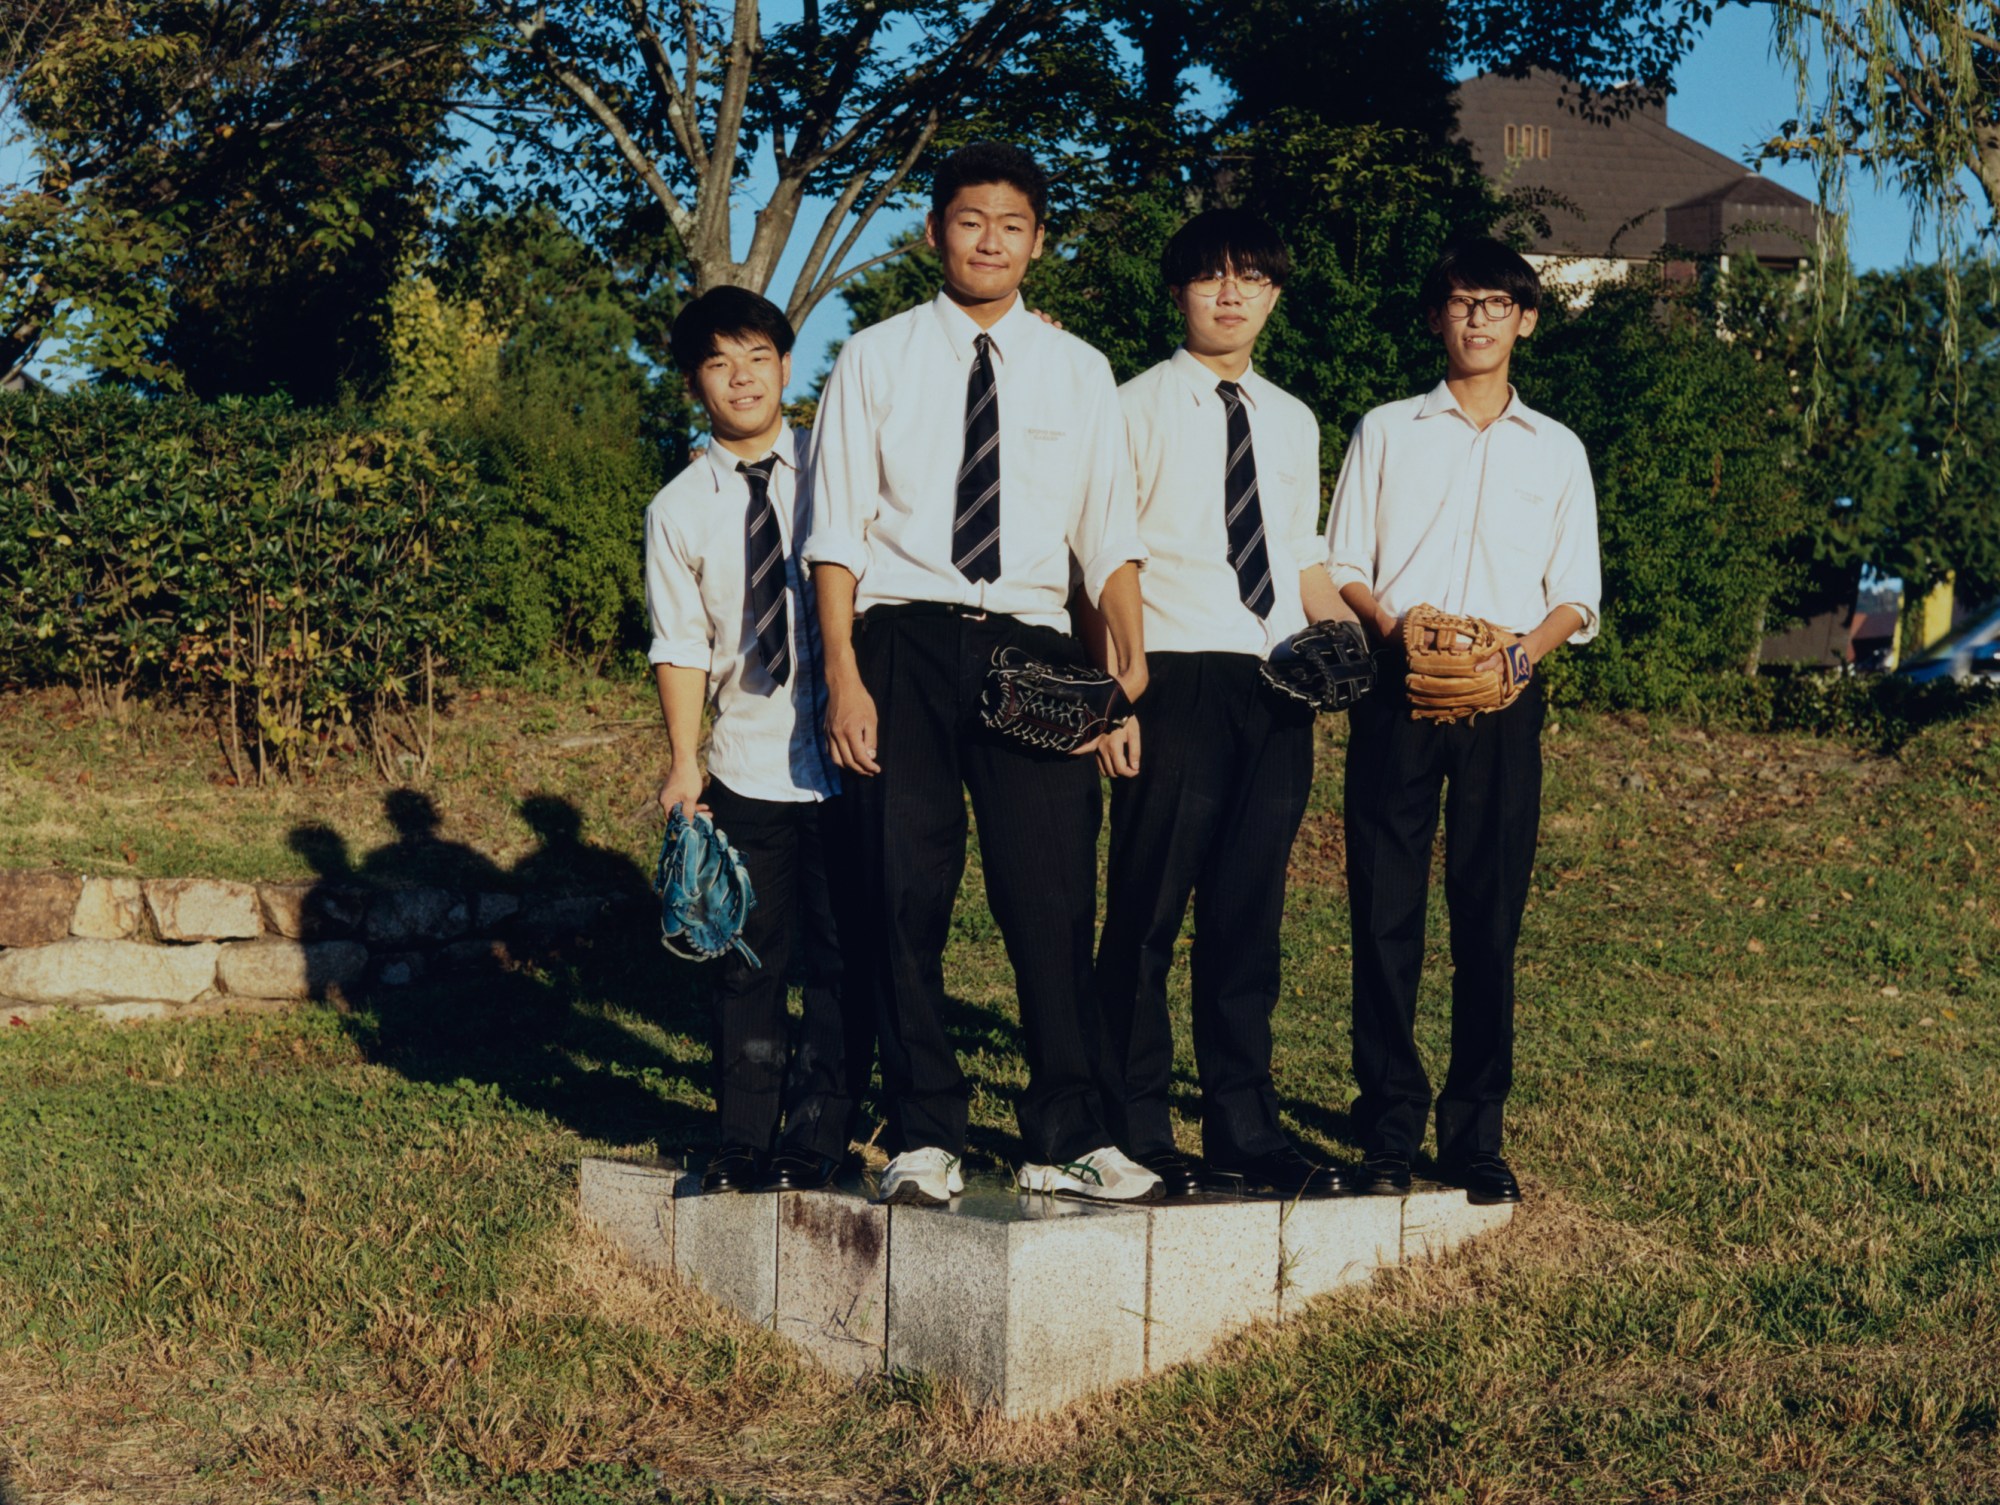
x,y
1892,991
1756,947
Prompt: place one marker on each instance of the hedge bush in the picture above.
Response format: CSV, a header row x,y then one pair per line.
x,y
303,577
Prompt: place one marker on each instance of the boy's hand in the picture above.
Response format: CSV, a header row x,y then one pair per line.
x,y
1052,322
683,787
1118,751
850,726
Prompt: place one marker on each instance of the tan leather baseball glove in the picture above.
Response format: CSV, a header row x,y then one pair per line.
x,y
1444,652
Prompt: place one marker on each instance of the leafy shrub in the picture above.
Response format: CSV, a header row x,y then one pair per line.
x,y
1881,710
304,578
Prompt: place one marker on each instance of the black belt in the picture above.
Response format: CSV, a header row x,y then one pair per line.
x,y
896,610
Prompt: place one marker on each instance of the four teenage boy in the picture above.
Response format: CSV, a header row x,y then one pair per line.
x,y
977,482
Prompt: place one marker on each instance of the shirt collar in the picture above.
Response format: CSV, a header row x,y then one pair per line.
x,y
1007,333
1440,400
722,462
1202,382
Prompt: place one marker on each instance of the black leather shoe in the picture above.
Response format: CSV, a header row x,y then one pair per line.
x,y
1488,1180
1289,1173
1383,1173
1179,1176
800,1170
732,1169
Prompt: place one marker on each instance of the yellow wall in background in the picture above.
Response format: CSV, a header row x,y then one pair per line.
x,y
1931,619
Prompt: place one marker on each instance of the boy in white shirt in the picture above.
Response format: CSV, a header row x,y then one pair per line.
x,y
1210,780
1468,500
969,457
734,624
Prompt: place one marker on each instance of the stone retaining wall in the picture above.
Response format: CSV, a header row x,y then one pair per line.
x,y
140,947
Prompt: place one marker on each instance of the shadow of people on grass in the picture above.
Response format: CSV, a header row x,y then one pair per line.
x,y
567,1005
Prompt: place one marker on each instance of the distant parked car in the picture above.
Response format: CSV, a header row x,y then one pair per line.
x,y
1968,655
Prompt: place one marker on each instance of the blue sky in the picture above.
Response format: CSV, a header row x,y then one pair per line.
x,y
1731,94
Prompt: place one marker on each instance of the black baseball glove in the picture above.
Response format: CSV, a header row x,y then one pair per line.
x,y
1049,707
1325,666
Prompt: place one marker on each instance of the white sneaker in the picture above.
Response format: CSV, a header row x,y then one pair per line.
x,y
1109,1175
920,1178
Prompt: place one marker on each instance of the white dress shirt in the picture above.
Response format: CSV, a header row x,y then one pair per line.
x,y
1178,430
890,437
768,740
1499,522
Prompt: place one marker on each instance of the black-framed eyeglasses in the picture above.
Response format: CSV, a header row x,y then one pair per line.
x,y
1496,306
1248,284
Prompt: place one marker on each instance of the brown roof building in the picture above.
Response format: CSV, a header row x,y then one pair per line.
x,y
1630,187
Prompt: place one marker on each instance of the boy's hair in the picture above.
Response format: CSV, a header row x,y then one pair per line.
x,y
990,162
1220,239
1481,261
725,312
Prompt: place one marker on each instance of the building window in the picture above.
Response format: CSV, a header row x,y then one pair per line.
x,y
1513,139
1542,142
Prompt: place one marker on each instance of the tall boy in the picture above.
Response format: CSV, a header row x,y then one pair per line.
x,y
1468,500
734,623
1228,476
968,454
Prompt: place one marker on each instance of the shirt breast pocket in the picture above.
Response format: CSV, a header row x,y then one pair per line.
x,y
1049,464
1526,524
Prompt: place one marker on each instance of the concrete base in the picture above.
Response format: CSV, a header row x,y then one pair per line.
x,y
1029,1302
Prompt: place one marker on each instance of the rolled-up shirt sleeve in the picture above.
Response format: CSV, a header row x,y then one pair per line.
x,y
1105,536
673,598
1350,525
846,474
1575,573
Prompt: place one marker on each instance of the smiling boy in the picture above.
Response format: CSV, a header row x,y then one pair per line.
x,y
1469,500
969,458
734,624
1211,778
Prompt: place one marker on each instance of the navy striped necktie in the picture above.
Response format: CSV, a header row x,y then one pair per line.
x,y
1242,513
766,557
975,528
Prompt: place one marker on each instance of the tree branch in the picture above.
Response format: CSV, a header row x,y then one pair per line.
x,y
659,68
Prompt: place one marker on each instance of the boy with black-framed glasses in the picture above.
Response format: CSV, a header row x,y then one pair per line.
x,y
1210,779
1468,500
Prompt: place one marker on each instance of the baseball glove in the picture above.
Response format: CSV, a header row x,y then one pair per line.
x,y
704,890
1325,666
1049,707
1445,681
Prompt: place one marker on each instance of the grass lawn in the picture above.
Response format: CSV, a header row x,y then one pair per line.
x,y
333,1256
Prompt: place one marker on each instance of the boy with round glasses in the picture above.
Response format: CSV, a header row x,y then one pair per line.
x,y
1210,779
1468,500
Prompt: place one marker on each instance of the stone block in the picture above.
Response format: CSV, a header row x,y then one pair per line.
x,y
633,1202
129,1013
312,911
1437,1219
203,909
492,910
1329,1242
403,915
91,971
833,1277
400,969
108,909
564,914
727,1243
1030,1302
478,954
1212,1270
35,907
290,969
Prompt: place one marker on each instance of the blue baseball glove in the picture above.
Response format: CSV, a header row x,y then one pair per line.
x,y
704,890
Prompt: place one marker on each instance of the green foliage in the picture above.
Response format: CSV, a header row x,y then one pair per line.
x,y
576,439
303,578
1690,444
1883,711
265,165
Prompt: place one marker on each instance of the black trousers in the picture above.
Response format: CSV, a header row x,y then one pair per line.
x,y
1490,771
1038,816
1224,772
816,1079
